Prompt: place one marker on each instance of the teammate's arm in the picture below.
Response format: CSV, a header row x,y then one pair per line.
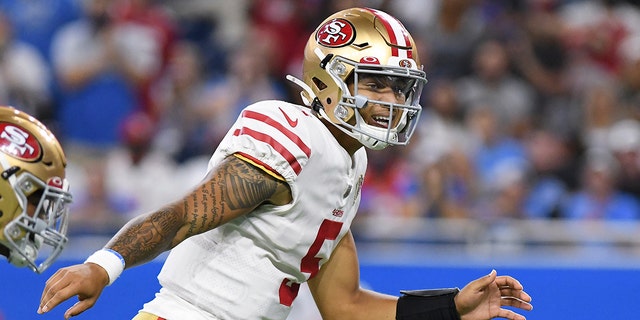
x,y
233,188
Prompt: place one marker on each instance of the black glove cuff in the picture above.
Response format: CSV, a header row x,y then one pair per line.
x,y
437,304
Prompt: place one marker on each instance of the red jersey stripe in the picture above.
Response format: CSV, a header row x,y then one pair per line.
x,y
293,162
288,133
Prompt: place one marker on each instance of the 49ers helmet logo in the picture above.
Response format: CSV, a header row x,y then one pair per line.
x,y
336,33
18,142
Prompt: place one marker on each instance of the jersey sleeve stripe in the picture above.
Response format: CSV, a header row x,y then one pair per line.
x,y
277,125
288,156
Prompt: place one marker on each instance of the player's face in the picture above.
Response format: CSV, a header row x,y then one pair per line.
x,y
386,89
32,203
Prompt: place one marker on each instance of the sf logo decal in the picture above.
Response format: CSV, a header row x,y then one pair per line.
x,y
18,142
336,33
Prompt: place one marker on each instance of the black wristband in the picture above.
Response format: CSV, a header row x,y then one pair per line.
x,y
437,304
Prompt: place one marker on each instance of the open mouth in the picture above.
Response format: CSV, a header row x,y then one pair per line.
x,y
380,121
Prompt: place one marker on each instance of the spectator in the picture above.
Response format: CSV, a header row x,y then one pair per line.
x,y
285,23
215,26
599,197
154,30
549,176
140,170
391,187
248,80
96,210
630,77
601,109
624,143
37,21
450,38
540,58
98,68
492,84
493,148
180,97
504,197
442,153
24,74
593,33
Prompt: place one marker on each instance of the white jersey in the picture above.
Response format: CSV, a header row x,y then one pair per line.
x,y
252,267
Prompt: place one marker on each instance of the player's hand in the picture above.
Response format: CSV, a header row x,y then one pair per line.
x,y
484,298
83,280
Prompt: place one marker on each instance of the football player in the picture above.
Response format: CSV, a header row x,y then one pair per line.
x,y
34,196
282,189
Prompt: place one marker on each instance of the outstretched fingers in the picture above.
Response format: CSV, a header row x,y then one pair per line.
x,y
506,292
508,314
54,292
79,307
85,281
516,303
508,281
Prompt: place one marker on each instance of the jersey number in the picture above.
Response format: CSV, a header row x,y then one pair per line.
x,y
329,230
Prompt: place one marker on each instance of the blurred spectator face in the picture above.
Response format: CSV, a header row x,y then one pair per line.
x,y
546,151
624,142
5,31
600,173
630,51
255,59
482,121
491,61
185,64
601,110
455,5
98,12
444,101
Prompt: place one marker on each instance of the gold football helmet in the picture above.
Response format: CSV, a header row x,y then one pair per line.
x,y
34,195
356,43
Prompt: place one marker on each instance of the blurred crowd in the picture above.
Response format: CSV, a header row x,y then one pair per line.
x,y
532,108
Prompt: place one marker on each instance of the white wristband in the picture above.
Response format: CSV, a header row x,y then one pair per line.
x,y
110,260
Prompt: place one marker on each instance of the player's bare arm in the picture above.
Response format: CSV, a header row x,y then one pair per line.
x,y
232,189
338,280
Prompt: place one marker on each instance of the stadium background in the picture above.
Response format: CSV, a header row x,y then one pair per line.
x,y
573,270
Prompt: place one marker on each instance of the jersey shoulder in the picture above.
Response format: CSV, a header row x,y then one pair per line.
x,y
276,133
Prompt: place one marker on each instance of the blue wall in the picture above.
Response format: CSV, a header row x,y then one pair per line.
x,y
558,292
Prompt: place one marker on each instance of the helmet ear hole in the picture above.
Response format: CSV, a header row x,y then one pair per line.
x,y
319,84
329,101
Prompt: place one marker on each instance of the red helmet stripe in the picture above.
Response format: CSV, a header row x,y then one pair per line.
x,y
398,35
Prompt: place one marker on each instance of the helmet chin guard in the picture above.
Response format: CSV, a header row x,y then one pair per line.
x,y
36,239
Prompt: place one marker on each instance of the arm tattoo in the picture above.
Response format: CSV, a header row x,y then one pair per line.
x,y
145,237
235,188
246,185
